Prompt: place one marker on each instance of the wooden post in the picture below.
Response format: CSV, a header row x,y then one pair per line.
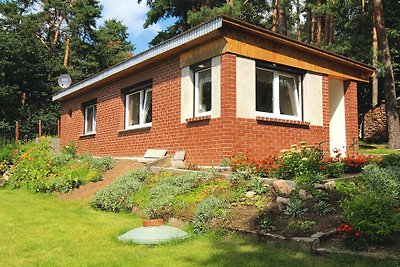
x,y
40,128
17,131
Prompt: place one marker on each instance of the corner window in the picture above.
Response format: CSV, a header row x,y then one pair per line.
x,y
202,88
138,108
277,94
90,119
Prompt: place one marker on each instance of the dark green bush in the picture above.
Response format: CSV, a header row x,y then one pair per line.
x,y
374,216
391,160
117,196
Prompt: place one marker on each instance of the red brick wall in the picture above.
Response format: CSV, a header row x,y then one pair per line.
x,y
350,107
206,142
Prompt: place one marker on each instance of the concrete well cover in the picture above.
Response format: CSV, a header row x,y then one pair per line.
x,y
153,235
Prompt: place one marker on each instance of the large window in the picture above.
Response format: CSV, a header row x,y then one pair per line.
x,y
202,92
277,94
138,108
90,118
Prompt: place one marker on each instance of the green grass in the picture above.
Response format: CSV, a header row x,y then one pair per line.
x,y
376,149
40,230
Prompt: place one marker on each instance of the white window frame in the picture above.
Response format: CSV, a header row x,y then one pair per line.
x,y
275,98
197,112
143,99
86,131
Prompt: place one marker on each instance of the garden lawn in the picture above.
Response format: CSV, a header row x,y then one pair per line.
x,y
41,230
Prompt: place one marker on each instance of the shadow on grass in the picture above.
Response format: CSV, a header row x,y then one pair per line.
x,y
231,251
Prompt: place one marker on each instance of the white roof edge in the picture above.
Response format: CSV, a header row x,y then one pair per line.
x,y
175,42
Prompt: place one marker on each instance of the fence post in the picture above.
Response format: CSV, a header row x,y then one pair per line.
x,y
17,131
40,128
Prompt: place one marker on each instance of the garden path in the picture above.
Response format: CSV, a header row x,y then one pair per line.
x,y
87,191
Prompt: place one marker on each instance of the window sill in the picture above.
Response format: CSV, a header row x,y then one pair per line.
x,y
137,128
282,121
202,118
87,135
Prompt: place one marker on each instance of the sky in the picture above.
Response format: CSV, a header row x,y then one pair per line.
x,y
133,15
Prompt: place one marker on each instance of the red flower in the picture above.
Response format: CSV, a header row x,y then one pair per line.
x,y
358,234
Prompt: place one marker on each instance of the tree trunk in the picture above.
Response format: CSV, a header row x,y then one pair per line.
x,y
275,16
326,29
331,29
319,25
392,114
308,25
375,89
282,21
66,55
298,20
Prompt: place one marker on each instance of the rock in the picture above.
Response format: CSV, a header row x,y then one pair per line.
x,y
304,195
282,188
250,194
282,200
319,186
330,185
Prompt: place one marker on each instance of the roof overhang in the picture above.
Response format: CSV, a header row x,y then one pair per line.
x,y
200,35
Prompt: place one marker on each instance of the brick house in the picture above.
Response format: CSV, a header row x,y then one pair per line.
x,y
222,87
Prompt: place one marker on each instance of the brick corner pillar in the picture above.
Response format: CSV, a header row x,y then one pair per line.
x,y
228,103
351,111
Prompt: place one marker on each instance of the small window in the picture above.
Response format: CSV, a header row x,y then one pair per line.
x,y
277,94
202,89
138,108
90,119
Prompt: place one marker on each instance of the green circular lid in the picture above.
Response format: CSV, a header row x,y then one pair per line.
x,y
153,235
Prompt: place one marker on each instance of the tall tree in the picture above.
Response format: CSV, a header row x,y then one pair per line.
x,y
392,114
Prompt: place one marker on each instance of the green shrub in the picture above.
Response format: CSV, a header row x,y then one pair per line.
x,y
208,210
391,160
103,164
346,188
295,208
300,161
33,166
374,216
335,169
117,196
381,181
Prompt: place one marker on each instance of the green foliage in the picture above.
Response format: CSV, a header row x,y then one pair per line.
x,y
381,181
300,161
374,216
295,208
208,210
346,188
33,43
323,208
299,227
117,196
103,163
257,185
335,169
391,160
266,225
163,193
